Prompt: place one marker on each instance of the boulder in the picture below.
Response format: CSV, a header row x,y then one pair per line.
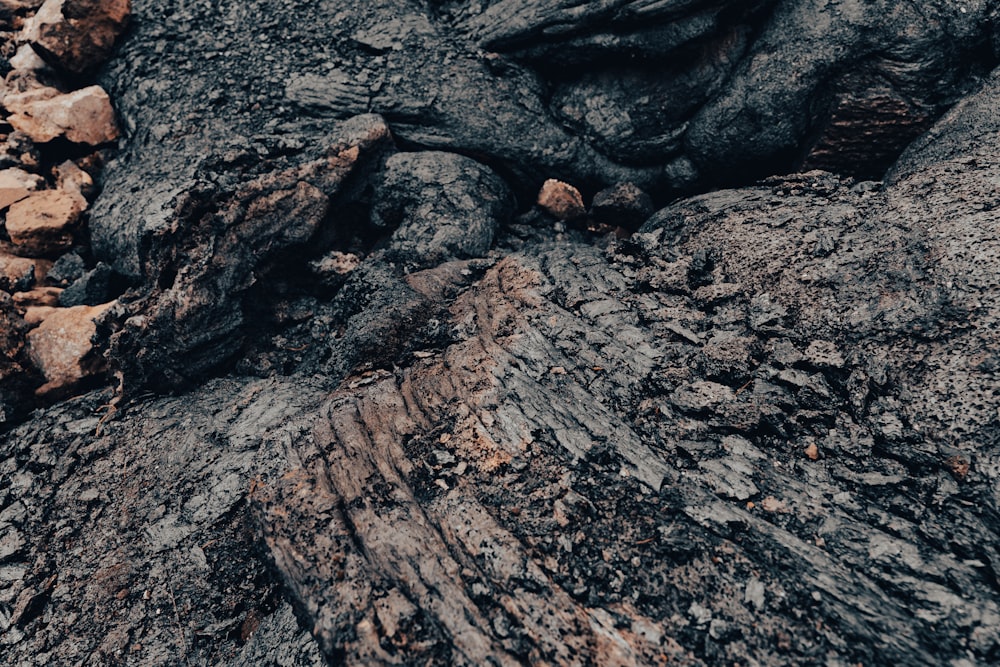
x,y
90,289
35,315
43,222
61,347
16,184
443,207
67,269
77,35
622,205
83,116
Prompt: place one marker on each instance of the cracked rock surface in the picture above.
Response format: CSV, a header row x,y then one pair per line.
x,y
372,405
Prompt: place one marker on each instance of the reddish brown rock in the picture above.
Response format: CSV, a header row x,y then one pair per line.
x,y
77,35
39,296
84,116
71,178
561,200
16,273
35,315
43,222
16,184
61,347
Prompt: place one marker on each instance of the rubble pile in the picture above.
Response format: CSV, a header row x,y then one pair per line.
x,y
57,129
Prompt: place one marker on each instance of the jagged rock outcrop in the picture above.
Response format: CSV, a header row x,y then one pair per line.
x,y
412,429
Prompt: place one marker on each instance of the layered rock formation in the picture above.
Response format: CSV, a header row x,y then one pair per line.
x,y
409,370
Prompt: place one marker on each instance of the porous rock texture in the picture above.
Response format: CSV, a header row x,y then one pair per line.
x,y
762,429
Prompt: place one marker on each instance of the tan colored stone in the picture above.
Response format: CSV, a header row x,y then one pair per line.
x,y
84,116
71,178
26,60
16,184
61,347
561,200
77,35
43,222
16,273
39,296
35,315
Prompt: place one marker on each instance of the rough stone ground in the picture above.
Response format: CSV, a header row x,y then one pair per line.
x,y
762,430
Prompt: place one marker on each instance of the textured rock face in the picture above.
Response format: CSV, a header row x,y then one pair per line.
x,y
445,429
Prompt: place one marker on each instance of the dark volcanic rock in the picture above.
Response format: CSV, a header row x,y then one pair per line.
x,y
90,289
761,429
622,205
67,269
189,316
665,95
442,206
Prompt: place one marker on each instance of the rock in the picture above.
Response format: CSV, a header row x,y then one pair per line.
x,y
61,347
12,6
10,10
83,116
191,318
90,289
333,268
43,222
77,35
622,205
443,206
335,94
39,296
27,60
824,354
17,150
16,376
561,200
16,184
71,178
874,554
17,274
812,452
35,315
66,269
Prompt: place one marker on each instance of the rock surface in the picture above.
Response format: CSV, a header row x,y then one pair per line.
x,y
761,429
442,207
83,116
42,222
61,347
